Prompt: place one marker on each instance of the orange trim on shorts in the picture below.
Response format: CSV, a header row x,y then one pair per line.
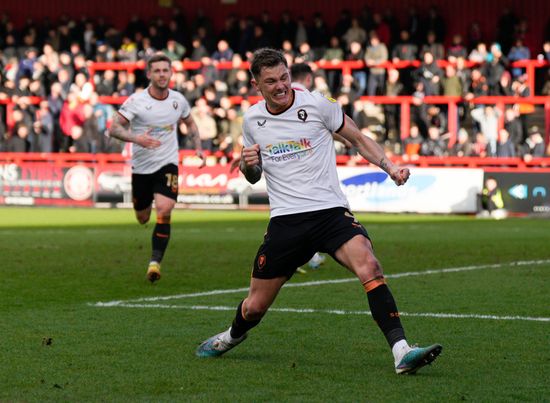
x,y
163,220
370,285
162,235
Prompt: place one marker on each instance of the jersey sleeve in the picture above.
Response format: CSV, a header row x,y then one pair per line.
x,y
331,112
248,140
185,108
129,108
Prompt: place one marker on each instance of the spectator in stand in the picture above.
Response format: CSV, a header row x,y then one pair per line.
x,y
90,130
506,25
356,53
412,144
287,27
318,32
513,125
198,50
333,55
436,24
355,33
301,33
79,142
404,49
43,128
26,65
419,110
504,87
305,54
321,86
479,147
432,46
19,141
106,85
269,28
479,54
429,74
534,146
348,89
64,78
463,146
478,86
381,28
259,38
72,114
452,84
376,53
55,104
545,55
434,145
174,50
518,52
487,118
239,85
202,115
223,52
494,68
505,147
125,84
457,49
394,88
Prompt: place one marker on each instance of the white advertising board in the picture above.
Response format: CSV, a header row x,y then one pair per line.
x,y
429,190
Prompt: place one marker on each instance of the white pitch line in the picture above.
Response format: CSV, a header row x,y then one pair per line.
x,y
323,282
438,315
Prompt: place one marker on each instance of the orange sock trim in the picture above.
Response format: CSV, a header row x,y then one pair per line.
x,y
163,220
370,285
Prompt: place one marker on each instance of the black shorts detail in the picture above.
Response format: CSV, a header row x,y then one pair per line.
x,y
163,181
291,240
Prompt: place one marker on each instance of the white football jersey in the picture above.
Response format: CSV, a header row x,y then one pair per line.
x,y
297,151
161,116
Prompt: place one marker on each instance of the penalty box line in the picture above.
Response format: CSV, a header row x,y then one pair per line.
x,y
138,303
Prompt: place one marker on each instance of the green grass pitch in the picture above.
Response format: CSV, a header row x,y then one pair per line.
x,y
492,315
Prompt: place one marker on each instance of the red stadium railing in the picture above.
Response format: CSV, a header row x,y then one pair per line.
x,y
346,67
536,164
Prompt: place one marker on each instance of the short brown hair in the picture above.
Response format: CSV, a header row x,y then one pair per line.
x,y
266,57
158,57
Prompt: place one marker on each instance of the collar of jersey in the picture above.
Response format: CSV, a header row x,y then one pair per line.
x,y
284,110
158,99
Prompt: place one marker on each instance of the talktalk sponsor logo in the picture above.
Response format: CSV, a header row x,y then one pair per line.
x,y
158,130
379,187
287,147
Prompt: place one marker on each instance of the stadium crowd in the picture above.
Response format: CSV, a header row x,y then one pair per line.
x,y
50,102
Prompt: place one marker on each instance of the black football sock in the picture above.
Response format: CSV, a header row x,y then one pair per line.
x,y
240,325
161,236
384,312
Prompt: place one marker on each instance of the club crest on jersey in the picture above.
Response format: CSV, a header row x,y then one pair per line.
x,y
261,124
175,105
302,115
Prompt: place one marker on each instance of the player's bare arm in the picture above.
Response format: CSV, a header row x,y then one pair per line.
x,y
251,163
372,152
193,131
120,130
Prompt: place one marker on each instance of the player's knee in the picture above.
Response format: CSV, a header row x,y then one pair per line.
x,y
370,268
143,218
255,310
